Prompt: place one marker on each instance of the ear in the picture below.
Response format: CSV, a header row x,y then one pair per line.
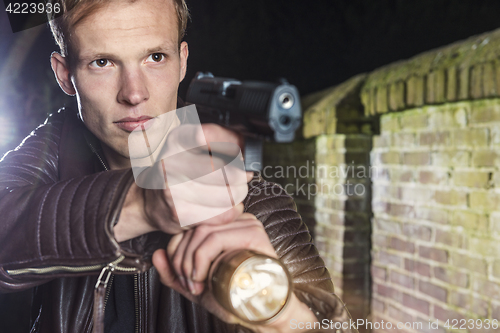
x,y
184,54
61,71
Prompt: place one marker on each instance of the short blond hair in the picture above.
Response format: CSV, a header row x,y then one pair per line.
x,y
73,11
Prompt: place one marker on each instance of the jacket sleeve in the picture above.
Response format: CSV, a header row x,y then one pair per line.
x,y
51,228
294,246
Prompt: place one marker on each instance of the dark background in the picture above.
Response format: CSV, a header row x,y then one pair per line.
x,y
314,44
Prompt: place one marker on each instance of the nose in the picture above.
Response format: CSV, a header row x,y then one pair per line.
x,y
133,87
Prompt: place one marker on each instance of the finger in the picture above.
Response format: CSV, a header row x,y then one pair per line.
x,y
177,258
200,233
251,237
167,275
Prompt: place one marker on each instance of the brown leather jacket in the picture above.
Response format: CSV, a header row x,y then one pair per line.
x,y
58,208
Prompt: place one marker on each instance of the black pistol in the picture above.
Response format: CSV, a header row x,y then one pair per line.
x,y
258,110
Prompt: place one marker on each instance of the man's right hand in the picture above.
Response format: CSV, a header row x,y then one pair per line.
x,y
147,210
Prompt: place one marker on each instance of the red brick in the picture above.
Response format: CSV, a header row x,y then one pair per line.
x,y
452,198
433,290
416,304
389,123
451,158
417,231
385,258
434,254
450,238
435,139
484,246
479,307
402,279
413,120
459,299
380,241
416,194
434,177
401,210
401,245
484,200
445,314
378,306
451,276
381,100
415,90
389,226
471,137
444,118
417,267
386,192
390,157
403,176
484,113
399,315
473,264
378,272
403,139
485,287
432,214
484,158
475,179
476,82
417,158
463,82
470,220
386,291
452,84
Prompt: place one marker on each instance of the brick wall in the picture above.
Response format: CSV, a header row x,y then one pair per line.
x,y
343,212
332,189
436,224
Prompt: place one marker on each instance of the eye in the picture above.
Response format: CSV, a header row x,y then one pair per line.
x,y
156,57
100,63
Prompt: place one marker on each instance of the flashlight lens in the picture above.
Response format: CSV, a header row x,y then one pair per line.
x,y
259,288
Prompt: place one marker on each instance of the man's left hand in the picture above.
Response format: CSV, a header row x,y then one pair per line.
x,y
184,265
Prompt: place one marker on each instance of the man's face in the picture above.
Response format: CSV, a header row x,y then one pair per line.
x,y
128,67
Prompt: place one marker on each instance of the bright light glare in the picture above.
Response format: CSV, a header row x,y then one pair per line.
x,y
259,289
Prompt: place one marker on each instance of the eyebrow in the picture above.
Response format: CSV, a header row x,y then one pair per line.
x,y
93,56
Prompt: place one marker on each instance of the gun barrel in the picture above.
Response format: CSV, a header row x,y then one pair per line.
x,y
264,110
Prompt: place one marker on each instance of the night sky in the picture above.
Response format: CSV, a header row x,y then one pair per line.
x,y
314,44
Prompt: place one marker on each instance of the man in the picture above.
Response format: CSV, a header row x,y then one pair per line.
x,y
70,206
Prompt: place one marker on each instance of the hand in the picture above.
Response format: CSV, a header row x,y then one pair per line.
x,y
185,264
151,210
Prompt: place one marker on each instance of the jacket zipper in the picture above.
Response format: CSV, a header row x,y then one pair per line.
x,y
53,269
98,156
136,301
108,286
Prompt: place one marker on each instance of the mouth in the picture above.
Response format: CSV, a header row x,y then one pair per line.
x,y
128,124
